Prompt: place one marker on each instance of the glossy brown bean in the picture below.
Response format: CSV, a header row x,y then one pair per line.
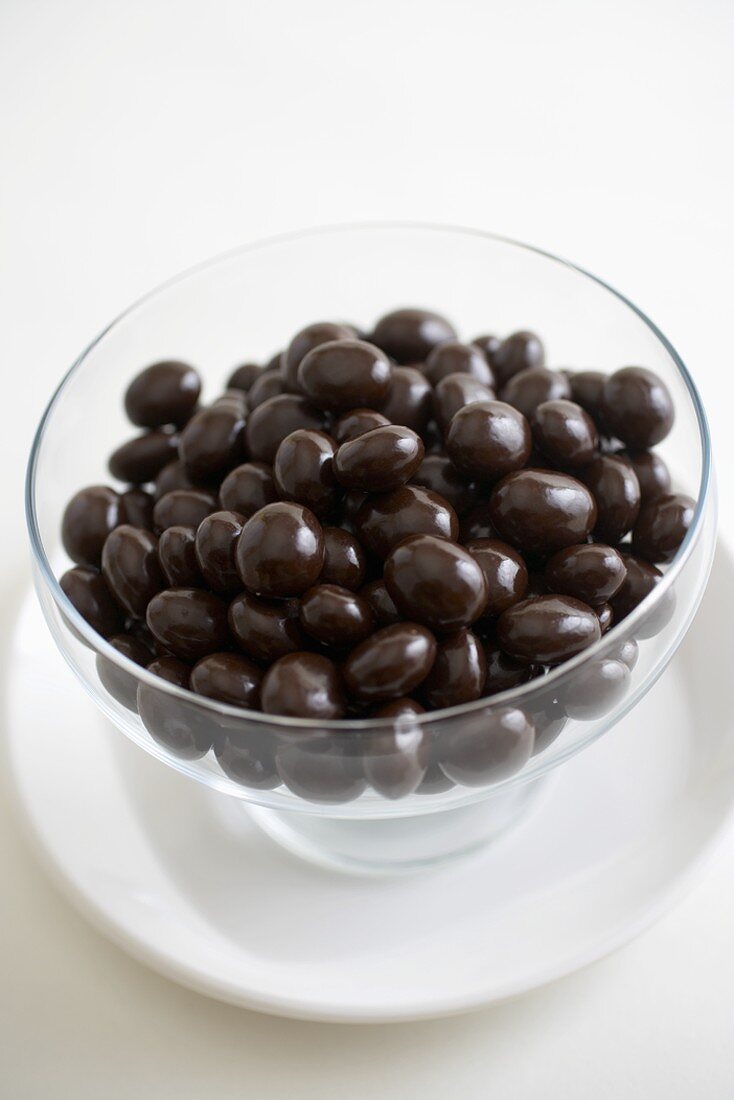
x,y
548,629
269,384
587,390
530,388
539,511
435,582
381,602
503,673
188,622
335,616
395,761
320,769
596,689
409,401
652,474
453,357
177,557
281,550
212,441
87,591
438,473
488,747
345,374
617,493
276,418
661,527
409,335
637,407
565,434
593,573
182,508
243,378
303,471
344,559
248,488
141,459
122,684
172,476
216,546
264,629
136,508
489,345
458,672
379,460
247,756
303,685
453,392
228,678
131,569
382,521
356,422
164,393
391,663
504,571
308,338
488,439
518,352
88,519
605,615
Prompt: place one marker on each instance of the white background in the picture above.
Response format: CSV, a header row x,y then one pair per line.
x,y
137,138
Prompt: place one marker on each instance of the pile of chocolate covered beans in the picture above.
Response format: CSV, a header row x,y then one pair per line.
x,y
376,524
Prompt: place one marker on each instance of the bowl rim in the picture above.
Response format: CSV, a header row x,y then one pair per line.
x,y
513,697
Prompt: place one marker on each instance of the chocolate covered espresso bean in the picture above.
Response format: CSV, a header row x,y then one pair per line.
x,y
131,568
565,434
593,573
380,460
304,342
248,488
488,747
453,391
530,388
438,473
264,629
344,559
228,678
661,527
383,520
303,685
280,551
335,616
435,582
409,335
87,591
136,508
488,439
409,401
182,508
520,351
356,422
391,663
216,546
164,393
504,571
88,519
212,441
271,422
548,629
304,470
242,378
177,557
453,357
141,459
616,491
458,672
345,374
188,622
539,511
637,407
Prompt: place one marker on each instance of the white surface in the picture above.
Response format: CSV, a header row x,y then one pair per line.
x,y
191,886
140,137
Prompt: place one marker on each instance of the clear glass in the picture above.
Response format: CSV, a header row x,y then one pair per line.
x,y
371,794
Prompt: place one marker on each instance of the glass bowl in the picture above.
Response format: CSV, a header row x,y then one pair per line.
x,y
376,794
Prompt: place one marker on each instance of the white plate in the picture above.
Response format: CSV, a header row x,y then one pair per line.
x,y
180,877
